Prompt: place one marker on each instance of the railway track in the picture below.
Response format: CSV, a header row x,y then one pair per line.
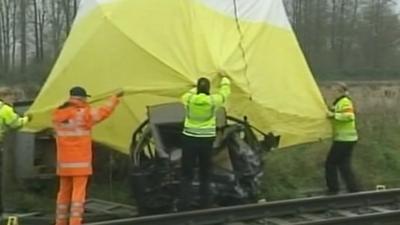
x,y
365,208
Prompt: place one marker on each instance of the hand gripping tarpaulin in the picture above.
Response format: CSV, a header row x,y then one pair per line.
x,y
156,50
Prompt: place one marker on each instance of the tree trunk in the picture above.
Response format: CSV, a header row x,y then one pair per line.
x,y
333,26
341,35
353,28
36,30
2,37
23,35
14,34
67,13
56,26
75,7
7,36
42,19
1,42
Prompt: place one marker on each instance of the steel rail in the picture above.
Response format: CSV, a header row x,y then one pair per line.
x,y
277,209
387,218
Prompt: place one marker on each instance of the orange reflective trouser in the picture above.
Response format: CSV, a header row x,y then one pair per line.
x,y
71,199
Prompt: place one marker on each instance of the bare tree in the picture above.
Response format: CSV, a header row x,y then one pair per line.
x,y
6,32
341,35
23,44
56,25
66,6
75,7
380,32
39,21
35,23
14,33
41,24
333,25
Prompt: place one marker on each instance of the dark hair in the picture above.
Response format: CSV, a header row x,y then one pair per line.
x,y
203,86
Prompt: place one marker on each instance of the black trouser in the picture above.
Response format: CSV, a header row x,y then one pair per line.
x,y
193,149
339,159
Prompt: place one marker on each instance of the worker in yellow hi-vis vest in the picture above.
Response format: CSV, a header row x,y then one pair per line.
x,y
198,137
9,119
344,138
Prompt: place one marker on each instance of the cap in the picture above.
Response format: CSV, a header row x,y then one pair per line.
x,y
78,91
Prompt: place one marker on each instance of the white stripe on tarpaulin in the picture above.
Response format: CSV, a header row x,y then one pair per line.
x,y
268,11
88,5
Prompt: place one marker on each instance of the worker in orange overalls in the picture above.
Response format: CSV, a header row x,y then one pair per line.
x,y
73,122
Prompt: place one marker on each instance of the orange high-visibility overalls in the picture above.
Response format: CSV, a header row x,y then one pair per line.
x,y
73,123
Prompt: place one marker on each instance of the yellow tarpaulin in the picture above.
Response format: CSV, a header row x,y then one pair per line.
x,y
156,50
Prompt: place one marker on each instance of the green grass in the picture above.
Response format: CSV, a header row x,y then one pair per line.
x,y
117,191
41,196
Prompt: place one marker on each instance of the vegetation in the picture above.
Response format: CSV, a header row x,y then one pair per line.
x,y
348,39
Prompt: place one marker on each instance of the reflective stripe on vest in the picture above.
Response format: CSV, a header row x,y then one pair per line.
x,y
74,165
347,110
346,133
72,128
65,126
72,133
346,136
206,132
